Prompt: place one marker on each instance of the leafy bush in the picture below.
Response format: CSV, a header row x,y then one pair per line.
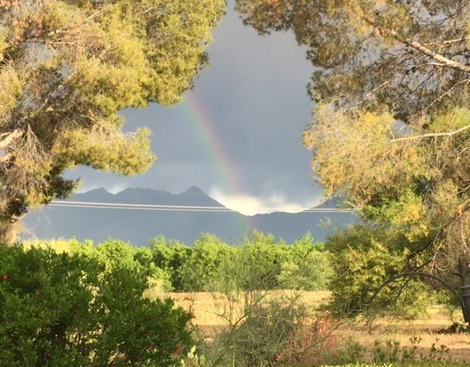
x,y
364,259
348,352
259,262
170,256
268,331
201,270
67,310
386,351
312,272
118,254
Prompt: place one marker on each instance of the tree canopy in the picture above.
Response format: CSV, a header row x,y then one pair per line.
x,y
68,67
391,127
411,56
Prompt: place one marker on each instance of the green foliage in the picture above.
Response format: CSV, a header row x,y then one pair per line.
x,y
263,329
385,168
414,187
389,352
385,351
68,68
68,310
363,260
350,352
262,263
377,52
117,254
308,266
170,257
260,260
258,263
11,90
202,268
390,131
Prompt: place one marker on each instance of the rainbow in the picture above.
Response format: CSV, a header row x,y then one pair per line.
x,y
203,125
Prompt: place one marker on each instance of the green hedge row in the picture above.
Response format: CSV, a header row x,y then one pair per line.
x,y
258,262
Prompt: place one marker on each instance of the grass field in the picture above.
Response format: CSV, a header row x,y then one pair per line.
x,y
213,312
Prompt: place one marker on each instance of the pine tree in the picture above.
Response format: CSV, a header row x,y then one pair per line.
x,y
68,67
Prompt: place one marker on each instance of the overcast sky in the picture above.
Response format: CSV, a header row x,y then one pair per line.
x,y
237,134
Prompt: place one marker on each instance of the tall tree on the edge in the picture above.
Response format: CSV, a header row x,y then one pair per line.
x,y
68,67
391,129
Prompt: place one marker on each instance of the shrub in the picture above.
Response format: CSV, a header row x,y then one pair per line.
x,y
200,272
312,273
66,310
171,257
268,331
363,260
118,254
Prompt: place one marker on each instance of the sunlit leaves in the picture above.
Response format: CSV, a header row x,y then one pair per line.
x,y
180,52
107,150
9,92
364,258
415,181
363,54
68,67
354,155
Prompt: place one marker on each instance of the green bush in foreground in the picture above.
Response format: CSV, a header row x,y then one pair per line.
x,y
65,310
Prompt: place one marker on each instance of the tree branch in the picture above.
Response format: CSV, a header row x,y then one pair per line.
x,y
432,135
15,134
5,158
434,55
442,60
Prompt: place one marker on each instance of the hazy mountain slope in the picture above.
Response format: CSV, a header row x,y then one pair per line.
x,y
139,226
292,226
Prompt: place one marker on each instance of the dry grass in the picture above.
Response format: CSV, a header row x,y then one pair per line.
x,y
212,311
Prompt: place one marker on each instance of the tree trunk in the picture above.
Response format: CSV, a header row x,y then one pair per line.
x,y
464,290
8,233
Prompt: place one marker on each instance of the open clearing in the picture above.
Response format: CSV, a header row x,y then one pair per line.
x,y
212,312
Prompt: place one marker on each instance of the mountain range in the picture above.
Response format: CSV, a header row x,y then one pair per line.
x,y
137,215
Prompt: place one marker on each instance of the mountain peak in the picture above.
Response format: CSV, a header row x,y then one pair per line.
x,y
193,190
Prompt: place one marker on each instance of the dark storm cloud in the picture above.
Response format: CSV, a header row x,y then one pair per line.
x,y
254,94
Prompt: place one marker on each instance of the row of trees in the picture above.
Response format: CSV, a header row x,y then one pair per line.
x,y
353,264
260,262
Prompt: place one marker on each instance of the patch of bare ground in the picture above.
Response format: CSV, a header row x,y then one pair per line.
x,y
214,311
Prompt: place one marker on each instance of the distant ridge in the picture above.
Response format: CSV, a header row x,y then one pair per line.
x,y
138,226
192,196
